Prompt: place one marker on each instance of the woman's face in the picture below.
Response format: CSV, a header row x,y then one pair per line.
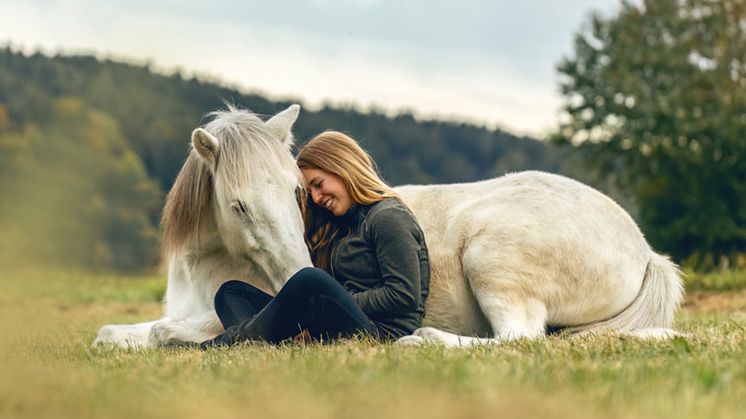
x,y
328,191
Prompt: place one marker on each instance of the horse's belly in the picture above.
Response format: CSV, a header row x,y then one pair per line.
x,y
456,316
451,305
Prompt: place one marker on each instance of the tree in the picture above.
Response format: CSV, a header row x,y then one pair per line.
x,y
656,99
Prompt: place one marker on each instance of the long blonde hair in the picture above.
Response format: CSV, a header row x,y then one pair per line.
x,y
337,154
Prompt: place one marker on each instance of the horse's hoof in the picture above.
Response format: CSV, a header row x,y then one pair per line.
x,y
113,337
160,334
106,332
429,334
410,340
107,336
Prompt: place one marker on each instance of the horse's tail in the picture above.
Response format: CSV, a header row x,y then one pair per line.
x,y
654,307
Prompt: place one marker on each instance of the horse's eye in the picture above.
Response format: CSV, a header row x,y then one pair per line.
x,y
239,207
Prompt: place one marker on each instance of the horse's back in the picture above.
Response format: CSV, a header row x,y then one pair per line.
x,y
526,202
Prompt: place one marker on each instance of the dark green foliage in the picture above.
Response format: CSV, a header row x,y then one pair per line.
x,y
657,101
101,141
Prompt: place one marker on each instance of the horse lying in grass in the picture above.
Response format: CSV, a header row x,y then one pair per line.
x,y
509,256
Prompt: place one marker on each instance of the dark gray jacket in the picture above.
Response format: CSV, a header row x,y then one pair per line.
x,y
384,264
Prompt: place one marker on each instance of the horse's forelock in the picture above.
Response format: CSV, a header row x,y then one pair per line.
x,y
247,148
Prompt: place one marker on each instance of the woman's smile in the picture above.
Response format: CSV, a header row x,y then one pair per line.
x,y
328,191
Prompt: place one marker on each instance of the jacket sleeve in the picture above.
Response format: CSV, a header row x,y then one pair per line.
x,y
394,235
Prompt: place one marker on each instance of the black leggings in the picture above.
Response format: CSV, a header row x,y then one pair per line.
x,y
311,300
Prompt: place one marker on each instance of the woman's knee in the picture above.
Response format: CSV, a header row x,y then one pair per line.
x,y
310,281
229,287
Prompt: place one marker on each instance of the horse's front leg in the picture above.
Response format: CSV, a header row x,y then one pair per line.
x,y
196,328
126,336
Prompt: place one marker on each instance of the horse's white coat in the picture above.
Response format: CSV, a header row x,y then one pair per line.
x,y
509,256
512,255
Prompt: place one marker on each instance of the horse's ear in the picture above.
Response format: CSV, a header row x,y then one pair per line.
x,y
281,124
206,145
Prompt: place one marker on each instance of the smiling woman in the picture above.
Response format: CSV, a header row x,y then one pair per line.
x,y
337,172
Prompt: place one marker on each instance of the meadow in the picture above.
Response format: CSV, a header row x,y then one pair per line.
x,y
48,369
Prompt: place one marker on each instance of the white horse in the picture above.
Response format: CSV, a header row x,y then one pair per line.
x,y
509,256
231,214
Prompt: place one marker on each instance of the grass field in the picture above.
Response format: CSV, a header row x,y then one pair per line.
x,y
49,370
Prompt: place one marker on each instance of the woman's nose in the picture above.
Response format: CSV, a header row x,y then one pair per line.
x,y
315,196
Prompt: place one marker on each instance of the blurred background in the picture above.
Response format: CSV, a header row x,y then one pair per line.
x,y
645,100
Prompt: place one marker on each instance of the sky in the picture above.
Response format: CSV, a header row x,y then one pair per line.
x,y
490,62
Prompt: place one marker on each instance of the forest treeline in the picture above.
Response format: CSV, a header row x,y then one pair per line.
x,y
89,147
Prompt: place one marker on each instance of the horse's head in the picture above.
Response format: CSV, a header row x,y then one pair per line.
x,y
251,181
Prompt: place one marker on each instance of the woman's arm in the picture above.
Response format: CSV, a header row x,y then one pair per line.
x,y
396,238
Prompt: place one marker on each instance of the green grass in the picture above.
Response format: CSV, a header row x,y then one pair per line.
x,y
49,370
715,281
